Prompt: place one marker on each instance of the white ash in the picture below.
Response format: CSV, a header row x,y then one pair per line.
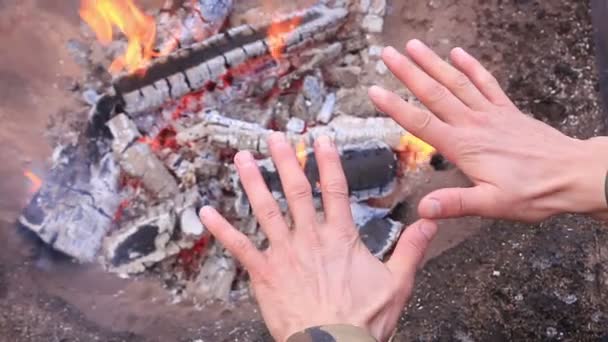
x,y
327,110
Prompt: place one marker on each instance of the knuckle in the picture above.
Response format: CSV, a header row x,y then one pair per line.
x,y
270,213
417,245
422,119
335,187
301,190
242,246
480,118
461,82
435,94
487,80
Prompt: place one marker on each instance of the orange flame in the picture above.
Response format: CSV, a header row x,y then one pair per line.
x,y
35,181
139,28
416,151
277,33
302,153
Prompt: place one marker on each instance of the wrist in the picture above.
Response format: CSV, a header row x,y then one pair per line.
x,y
587,171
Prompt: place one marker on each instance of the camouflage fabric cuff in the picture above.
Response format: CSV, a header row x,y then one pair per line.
x,y
332,333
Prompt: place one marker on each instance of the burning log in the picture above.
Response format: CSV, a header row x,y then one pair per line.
x,y
203,64
344,130
138,160
370,169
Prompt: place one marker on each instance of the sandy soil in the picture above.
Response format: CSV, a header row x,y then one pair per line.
x,y
542,53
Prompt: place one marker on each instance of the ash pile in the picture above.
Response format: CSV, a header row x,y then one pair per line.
x,y
155,141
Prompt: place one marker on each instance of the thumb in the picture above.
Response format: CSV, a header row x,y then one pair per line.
x,y
411,248
456,202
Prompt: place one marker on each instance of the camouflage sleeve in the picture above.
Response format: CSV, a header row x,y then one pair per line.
x,y
333,333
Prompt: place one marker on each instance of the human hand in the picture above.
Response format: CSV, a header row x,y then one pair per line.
x,y
522,168
318,273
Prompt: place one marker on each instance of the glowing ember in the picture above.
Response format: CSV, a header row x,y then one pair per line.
x,y
416,151
140,29
302,153
190,259
164,139
277,33
35,181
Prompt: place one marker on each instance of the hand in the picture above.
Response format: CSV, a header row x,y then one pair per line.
x,y
318,273
522,168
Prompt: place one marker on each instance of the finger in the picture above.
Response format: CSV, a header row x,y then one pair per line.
x,y
481,77
454,80
411,249
334,187
419,122
296,186
432,94
234,241
457,202
264,206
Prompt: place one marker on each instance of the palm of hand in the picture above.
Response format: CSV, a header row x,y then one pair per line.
x,y
318,272
511,158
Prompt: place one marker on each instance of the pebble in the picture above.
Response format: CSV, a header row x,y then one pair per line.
x,y
296,125
373,23
381,68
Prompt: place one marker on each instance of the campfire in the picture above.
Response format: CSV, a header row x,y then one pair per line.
x,y
175,94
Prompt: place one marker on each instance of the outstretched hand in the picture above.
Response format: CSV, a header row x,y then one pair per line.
x,y
318,272
522,168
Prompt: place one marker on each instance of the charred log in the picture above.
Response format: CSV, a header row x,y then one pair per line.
x,y
191,69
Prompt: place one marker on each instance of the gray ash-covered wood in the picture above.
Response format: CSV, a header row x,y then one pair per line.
x,y
377,229
73,210
138,160
193,68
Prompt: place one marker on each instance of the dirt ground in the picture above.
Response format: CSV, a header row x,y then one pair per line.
x,y
507,281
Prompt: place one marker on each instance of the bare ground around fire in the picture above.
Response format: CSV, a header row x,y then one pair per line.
x,y
506,281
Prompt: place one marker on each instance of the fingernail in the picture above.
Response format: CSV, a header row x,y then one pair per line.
x,y
435,207
390,52
427,229
276,137
376,91
460,51
206,211
243,158
324,141
415,43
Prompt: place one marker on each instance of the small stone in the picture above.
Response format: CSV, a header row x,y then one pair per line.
x,y
190,223
375,51
496,274
326,112
570,299
354,102
551,332
378,7
351,59
364,6
343,77
296,125
381,68
519,297
215,279
373,23
90,96
215,10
